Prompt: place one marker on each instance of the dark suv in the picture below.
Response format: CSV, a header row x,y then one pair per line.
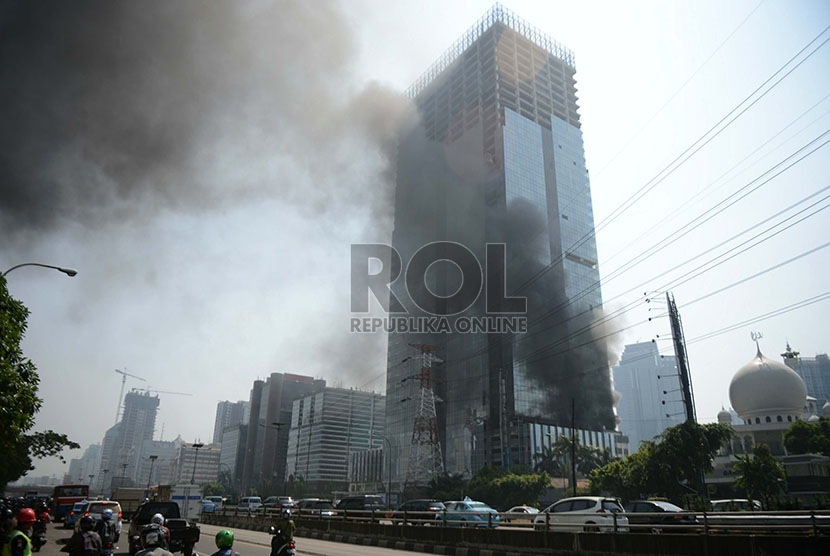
x,y
417,512
360,506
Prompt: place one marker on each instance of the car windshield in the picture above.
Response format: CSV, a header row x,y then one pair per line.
x,y
323,505
98,508
611,506
666,506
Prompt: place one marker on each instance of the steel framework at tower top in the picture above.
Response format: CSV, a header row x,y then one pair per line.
x,y
425,456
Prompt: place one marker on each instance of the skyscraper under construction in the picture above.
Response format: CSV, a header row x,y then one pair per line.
x,y
498,159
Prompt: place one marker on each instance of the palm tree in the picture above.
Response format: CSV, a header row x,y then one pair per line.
x,y
548,461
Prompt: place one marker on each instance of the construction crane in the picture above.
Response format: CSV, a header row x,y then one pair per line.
x,y
124,375
154,391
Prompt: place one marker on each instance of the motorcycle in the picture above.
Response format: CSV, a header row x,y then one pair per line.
x,y
107,549
39,532
280,546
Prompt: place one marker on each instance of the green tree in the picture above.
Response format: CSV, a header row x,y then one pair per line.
x,y
447,487
808,438
505,490
760,475
19,401
668,467
547,460
213,489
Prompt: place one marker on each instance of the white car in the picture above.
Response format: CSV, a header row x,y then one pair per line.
x,y
250,504
583,513
217,501
95,509
520,513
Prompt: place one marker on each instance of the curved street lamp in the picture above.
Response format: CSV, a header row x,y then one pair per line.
x,y
389,465
68,271
195,446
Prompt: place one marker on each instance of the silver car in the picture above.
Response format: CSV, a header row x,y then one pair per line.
x,y
583,513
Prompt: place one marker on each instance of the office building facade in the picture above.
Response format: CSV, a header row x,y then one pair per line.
x,y
232,456
229,414
498,159
121,453
196,465
649,389
814,371
326,428
266,445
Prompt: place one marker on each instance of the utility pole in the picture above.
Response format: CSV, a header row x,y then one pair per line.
x,y
682,359
685,378
573,445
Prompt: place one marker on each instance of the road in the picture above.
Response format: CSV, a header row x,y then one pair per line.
x,y
247,543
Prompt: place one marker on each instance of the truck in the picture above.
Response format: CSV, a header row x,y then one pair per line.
x,y
184,533
188,498
130,499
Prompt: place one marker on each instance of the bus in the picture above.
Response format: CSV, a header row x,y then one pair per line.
x,y
64,497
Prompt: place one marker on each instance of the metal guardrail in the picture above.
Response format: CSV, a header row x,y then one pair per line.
x,y
809,523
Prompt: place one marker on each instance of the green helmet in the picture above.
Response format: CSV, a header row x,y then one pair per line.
x,y
224,538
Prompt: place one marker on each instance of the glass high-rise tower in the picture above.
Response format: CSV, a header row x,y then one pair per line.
x,y
498,158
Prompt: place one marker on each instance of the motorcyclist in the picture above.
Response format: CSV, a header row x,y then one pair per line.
x,y
158,520
18,543
6,523
152,539
284,528
224,542
38,536
106,529
85,542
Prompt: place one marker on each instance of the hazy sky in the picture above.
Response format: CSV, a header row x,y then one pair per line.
x,y
205,167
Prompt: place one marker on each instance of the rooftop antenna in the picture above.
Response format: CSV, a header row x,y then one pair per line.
x,y
124,375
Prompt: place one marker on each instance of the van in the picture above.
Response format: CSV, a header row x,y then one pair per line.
x,y
250,503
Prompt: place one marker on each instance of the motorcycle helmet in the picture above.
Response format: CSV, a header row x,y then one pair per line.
x,y
286,513
107,514
26,517
158,519
224,539
87,523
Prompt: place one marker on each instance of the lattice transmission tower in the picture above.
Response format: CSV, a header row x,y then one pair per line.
x,y
425,457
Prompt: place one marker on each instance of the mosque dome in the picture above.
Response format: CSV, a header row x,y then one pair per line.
x,y
724,416
766,387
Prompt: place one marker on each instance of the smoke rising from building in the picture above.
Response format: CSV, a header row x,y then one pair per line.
x,y
567,352
118,110
129,125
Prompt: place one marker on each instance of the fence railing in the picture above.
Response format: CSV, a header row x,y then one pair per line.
x,y
813,523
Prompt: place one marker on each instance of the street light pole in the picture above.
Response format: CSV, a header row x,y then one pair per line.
x,y
153,459
388,466
104,479
68,271
195,446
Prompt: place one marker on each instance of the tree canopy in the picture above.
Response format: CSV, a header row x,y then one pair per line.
x,y
808,438
760,475
492,486
668,467
19,401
